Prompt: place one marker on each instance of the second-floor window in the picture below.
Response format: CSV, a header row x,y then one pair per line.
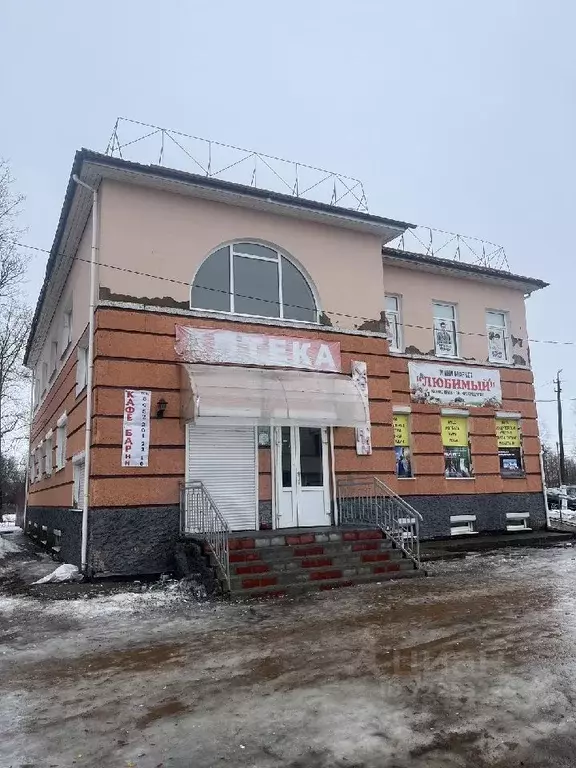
x,y
497,333
393,321
253,279
445,330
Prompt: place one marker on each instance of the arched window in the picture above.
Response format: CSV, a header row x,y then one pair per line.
x,y
252,279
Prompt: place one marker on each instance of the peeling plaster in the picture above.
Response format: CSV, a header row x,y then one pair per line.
x,y
375,325
517,341
324,319
518,360
413,351
166,301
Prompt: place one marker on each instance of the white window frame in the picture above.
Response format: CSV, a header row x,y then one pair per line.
x,y
32,476
78,460
61,438
517,521
505,331
66,330
454,321
278,260
81,368
462,525
53,358
44,376
48,457
396,339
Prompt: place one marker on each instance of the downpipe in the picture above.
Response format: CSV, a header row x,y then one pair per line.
x,y
89,374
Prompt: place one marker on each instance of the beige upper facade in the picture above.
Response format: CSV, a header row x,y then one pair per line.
x,y
155,232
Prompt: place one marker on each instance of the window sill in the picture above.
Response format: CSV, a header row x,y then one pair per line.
x,y
65,350
513,475
79,391
405,478
459,478
59,469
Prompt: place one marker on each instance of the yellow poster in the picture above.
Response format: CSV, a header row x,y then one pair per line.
x,y
455,430
508,433
401,433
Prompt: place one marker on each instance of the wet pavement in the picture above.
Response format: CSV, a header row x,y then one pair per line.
x,y
473,666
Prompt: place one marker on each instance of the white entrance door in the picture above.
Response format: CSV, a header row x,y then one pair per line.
x,y
302,473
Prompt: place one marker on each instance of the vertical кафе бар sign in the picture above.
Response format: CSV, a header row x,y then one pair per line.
x,y
136,428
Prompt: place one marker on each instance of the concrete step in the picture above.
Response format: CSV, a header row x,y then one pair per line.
x,y
292,590
270,578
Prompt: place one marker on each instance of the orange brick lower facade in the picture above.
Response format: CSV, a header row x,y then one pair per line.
x,y
135,350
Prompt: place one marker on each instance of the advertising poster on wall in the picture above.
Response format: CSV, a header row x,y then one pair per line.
x,y
442,384
456,449
136,428
509,446
402,445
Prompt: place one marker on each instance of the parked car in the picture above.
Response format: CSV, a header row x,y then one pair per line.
x,y
554,497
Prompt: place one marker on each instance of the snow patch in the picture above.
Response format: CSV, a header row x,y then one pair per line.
x,y
7,546
65,572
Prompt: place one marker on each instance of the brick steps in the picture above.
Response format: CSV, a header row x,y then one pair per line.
x,y
267,564
293,590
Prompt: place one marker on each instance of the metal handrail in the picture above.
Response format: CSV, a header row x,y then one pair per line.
x,y
200,516
369,501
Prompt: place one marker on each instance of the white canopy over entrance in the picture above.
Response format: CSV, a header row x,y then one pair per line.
x,y
222,394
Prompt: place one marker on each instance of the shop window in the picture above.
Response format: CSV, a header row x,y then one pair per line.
x,y
393,321
253,279
497,333
402,445
445,330
457,461
509,440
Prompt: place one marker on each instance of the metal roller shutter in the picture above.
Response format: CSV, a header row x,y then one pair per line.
x,y
224,459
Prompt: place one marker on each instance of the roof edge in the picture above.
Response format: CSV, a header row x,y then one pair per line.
x,y
472,270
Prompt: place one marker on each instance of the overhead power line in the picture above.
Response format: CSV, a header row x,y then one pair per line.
x,y
333,313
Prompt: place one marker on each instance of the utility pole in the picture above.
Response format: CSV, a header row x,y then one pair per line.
x,y
560,431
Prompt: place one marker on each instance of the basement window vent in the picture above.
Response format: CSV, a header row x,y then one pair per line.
x,y
461,525
44,539
517,521
57,538
408,523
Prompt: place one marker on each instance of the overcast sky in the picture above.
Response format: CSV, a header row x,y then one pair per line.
x,y
454,114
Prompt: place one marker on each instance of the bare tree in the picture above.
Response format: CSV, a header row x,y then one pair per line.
x,y
15,320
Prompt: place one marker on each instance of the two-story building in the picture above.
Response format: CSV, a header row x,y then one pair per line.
x,y
273,352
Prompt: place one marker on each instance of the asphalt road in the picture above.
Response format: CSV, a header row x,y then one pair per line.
x,y
473,666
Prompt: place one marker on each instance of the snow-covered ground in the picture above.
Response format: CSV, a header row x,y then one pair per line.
x,y
472,667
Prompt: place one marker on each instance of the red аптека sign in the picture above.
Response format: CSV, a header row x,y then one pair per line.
x,y
136,428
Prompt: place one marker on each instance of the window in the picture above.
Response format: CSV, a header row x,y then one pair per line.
x,y
37,386
61,430
53,357
509,447
78,480
32,476
462,524
252,279
457,461
44,376
517,521
48,453
497,333
445,332
402,445
393,322
66,330
37,465
81,369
